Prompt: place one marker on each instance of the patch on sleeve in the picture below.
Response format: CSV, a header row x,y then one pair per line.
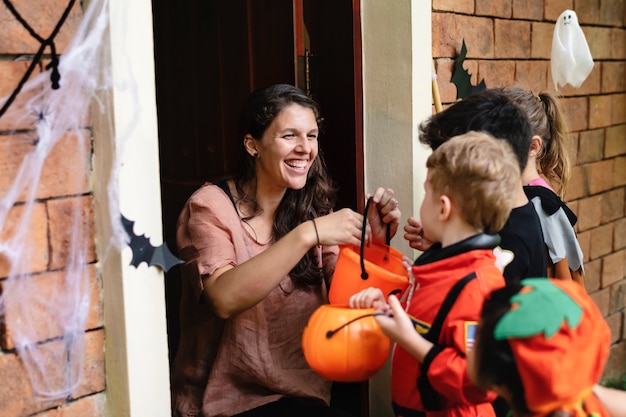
x,y
420,326
470,335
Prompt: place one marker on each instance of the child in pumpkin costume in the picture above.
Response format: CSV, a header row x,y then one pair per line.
x,y
467,199
542,345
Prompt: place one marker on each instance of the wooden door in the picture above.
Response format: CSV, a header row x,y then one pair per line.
x,y
209,55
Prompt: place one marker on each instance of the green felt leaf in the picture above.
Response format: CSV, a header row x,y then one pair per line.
x,y
541,310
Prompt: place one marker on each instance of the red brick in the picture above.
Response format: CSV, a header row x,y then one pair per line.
x,y
576,187
619,170
42,17
541,40
615,143
31,252
575,112
613,268
92,406
599,41
588,12
619,234
590,86
599,111
16,392
65,216
444,38
602,299
554,8
13,150
496,73
618,109
40,306
601,242
528,9
67,167
447,39
615,324
618,295
11,73
93,379
588,213
618,43
600,176
20,115
614,367
593,275
612,13
613,76
459,6
591,146
613,207
495,8
512,39
532,74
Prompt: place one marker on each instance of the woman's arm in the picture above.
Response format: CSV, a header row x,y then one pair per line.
x,y
233,289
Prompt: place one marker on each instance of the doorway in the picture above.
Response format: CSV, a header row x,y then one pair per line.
x,y
209,55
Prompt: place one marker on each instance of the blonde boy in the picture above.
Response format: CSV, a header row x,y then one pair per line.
x,y
467,200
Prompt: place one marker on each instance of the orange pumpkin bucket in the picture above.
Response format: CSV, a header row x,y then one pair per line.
x,y
345,344
377,265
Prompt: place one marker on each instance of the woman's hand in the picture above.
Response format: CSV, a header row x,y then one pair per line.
x,y
341,227
383,211
414,234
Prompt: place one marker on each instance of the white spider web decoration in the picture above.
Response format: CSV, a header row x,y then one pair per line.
x,y
47,323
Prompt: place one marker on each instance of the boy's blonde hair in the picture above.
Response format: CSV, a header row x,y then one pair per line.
x,y
480,175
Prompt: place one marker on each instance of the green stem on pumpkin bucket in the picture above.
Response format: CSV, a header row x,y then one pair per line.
x,y
331,333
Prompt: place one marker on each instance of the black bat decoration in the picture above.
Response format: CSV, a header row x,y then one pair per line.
x,y
143,251
462,78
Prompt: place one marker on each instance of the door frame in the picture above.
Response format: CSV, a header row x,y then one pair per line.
x,y
136,354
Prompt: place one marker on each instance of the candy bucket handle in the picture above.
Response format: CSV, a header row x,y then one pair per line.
x,y
364,274
331,333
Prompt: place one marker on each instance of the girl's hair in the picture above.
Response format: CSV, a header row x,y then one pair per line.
x,y
547,121
315,199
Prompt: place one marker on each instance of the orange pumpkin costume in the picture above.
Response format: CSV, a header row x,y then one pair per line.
x,y
560,342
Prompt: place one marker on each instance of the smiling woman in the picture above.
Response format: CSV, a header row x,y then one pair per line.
x,y
259,249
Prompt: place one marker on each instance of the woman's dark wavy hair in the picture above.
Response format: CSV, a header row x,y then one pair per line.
x,y
315,199
490,111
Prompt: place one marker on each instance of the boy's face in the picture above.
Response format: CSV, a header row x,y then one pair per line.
x,y
429,212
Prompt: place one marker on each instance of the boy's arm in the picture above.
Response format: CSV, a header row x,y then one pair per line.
x,y
399,328
446,367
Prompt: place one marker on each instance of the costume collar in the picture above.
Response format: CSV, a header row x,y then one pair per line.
x,y
436,252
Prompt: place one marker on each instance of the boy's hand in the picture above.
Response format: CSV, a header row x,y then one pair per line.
x,y
370,298
414,234
396,325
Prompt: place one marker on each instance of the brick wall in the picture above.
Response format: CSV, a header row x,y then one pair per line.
x,y
64,184
509,42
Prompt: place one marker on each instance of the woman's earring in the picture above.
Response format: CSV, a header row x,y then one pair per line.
x,y
255,155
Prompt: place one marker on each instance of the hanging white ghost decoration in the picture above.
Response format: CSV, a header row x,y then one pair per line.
x,y
571,60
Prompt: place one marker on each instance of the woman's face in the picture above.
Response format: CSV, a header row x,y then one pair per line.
x,y
287,149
